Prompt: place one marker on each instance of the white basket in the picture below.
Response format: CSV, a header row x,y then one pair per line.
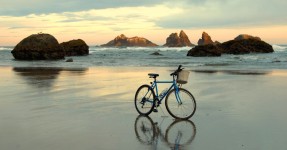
x,y
182,77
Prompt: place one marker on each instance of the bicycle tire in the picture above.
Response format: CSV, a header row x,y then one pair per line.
x,y
145,129
144,100
186,127
186,109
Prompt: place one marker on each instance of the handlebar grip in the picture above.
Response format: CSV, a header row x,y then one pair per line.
x,y
176,71
179,67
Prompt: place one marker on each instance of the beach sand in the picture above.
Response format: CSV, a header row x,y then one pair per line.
x,y
93,108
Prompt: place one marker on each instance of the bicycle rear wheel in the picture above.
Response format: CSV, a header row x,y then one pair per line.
x,y
144,100
145,129
182,108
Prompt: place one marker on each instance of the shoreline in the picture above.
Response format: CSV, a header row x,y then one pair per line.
x,y
229,71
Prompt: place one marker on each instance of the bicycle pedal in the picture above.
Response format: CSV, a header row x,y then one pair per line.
x,y
158,103
155,110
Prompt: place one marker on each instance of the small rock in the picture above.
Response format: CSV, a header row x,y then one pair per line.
x,y
275,61
156,53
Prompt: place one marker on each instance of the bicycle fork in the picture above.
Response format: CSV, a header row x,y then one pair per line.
x,y
178,99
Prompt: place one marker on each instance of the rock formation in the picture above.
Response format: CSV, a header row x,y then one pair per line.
x,y
216,43
240,45
245,46
184,39
173,40
38,47
245,37
178,41
156,54
123,41
208,50
205,39
75,48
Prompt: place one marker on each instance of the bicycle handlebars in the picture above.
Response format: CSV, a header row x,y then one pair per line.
x,y
179,67
177,71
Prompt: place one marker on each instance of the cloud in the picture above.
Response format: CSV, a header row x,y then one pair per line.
x,y
110,19
194,14
23,8
158,17
223,13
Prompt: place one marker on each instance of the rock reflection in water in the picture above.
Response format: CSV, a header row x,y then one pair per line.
x,y
178,135
40,77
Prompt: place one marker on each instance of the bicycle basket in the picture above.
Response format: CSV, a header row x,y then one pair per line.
x,y
182,77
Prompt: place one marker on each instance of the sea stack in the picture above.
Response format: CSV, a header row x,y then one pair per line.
x,y
75,48
38,47
123,41
178,41
205,39
207,50
242,44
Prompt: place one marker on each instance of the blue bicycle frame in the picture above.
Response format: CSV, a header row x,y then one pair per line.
x,y
174,85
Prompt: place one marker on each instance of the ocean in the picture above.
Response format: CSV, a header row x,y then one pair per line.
x,y
170,57
89,103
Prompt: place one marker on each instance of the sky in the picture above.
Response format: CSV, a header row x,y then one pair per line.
x,y
99,21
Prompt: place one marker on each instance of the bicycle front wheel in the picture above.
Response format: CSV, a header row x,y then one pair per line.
x,y
180,105
180,134
144,100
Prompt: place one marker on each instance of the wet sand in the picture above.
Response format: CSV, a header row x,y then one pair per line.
x,y
92,108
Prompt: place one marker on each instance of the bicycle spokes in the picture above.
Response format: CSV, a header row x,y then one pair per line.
x,y
180,104
178,99
144,100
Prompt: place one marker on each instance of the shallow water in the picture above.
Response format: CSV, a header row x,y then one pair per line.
x,y
92,108
170,57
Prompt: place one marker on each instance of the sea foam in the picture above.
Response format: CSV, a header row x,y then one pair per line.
x,y
279,48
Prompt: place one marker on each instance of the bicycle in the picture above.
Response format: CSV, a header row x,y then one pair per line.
x,y
179,102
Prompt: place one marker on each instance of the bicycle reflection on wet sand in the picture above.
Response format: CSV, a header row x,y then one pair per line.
x,y
178,135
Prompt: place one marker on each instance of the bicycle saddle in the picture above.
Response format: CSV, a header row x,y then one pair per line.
x,y
153,75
